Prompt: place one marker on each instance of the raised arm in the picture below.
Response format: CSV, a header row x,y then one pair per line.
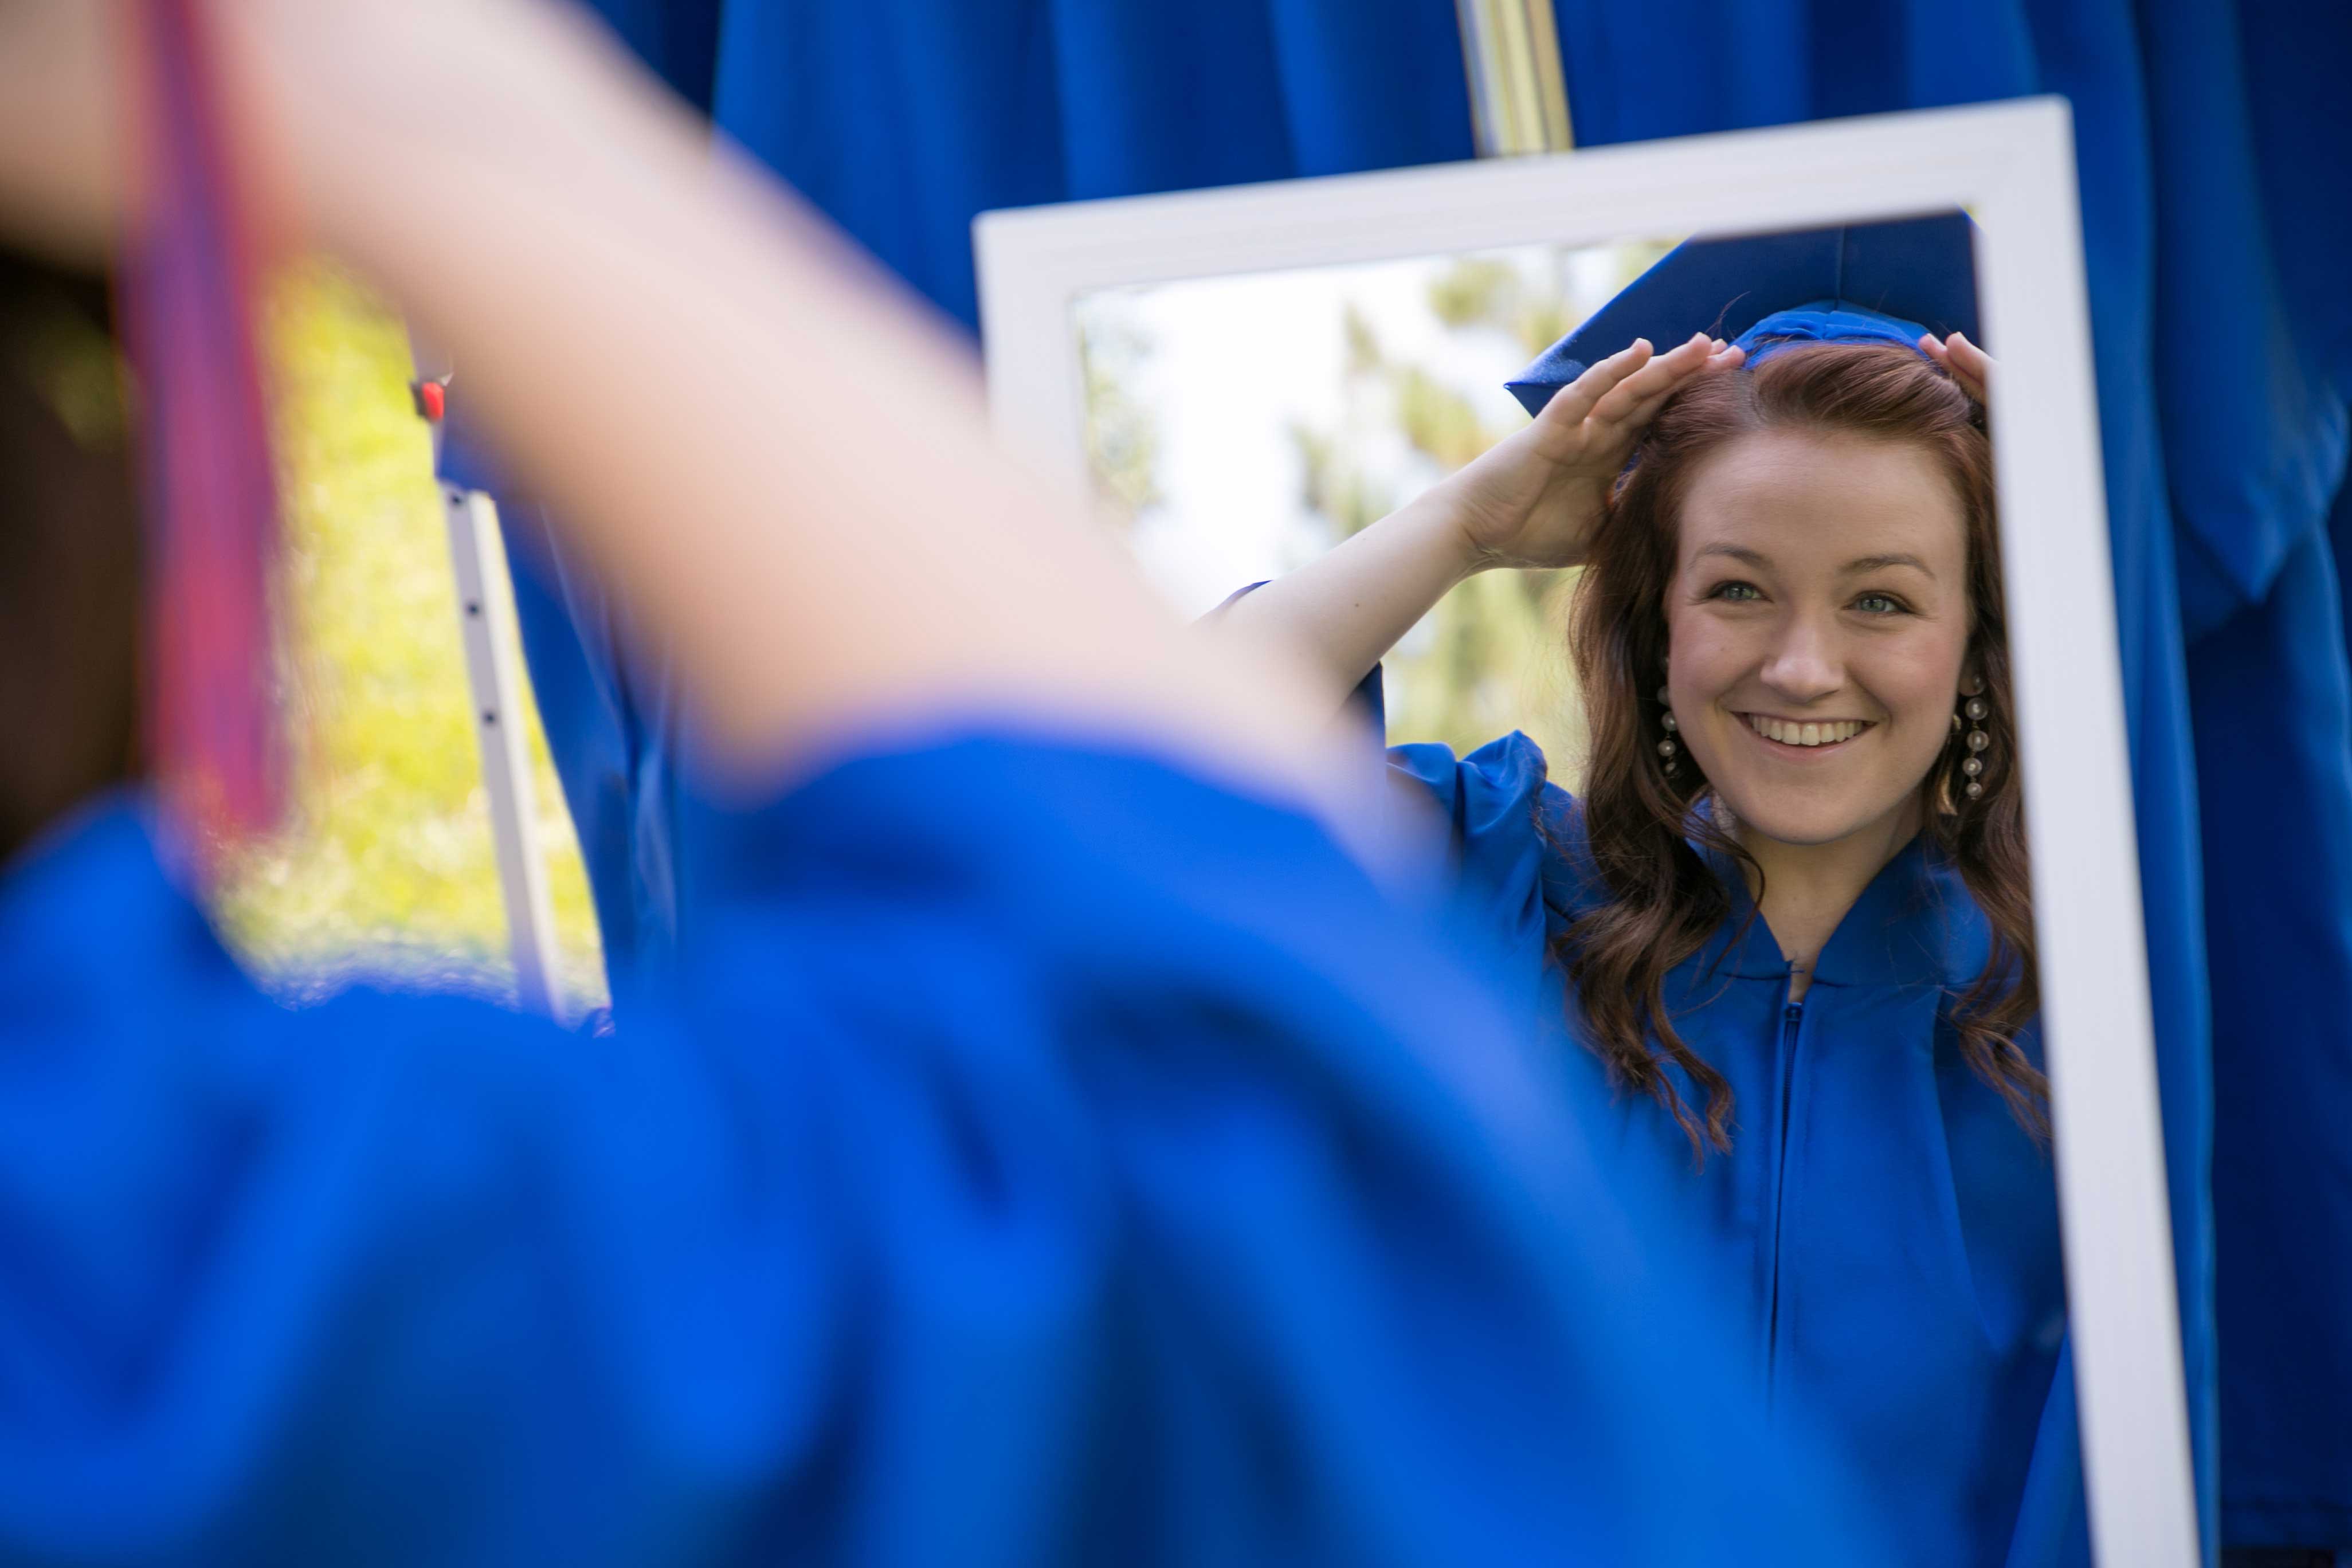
x,y
755,439
1529,501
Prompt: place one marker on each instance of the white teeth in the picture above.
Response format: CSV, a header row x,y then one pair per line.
x,y
1816,734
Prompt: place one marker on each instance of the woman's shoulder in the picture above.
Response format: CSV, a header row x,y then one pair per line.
x,y
1510,771
1508,820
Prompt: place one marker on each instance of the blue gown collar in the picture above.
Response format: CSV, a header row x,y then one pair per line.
x,y
1913,925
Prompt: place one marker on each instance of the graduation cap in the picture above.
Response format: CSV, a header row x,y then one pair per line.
x,y
186,291
1877,282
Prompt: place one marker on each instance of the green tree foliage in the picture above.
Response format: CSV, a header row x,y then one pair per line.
x,y
1122,437
1340,492
386,864
1436,418
1494,294
1475,291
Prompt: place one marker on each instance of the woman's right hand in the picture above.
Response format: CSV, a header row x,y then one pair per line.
x,y
1963,362
1534,497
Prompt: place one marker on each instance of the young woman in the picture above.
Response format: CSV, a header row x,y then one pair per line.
x,y
1786,921
1045,1160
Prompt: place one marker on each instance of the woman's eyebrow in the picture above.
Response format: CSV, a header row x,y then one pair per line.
x,y
1737,551
1872,563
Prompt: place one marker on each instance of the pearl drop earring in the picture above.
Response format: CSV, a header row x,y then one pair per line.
x,y
1669,746
1972,765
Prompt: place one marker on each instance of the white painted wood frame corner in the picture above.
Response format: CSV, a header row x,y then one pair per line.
x,y
2012,165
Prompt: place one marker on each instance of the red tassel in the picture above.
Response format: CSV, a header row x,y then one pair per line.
x,y
188,287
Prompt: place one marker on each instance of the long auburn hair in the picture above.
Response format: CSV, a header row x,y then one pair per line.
x,y
1662,901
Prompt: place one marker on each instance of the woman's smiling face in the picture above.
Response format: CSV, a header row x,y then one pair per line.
x,y
1817,630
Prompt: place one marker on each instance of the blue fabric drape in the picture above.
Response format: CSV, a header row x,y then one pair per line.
x,y
2251,241
2213,165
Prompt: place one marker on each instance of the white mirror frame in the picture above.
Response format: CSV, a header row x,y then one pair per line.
x,y
2012,165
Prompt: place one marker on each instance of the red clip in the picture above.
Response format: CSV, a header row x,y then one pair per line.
x,y
432,400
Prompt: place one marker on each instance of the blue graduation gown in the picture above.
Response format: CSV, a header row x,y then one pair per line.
x,y
1882,1230
1049,1157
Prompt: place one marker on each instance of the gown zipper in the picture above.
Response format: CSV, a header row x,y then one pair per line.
x,y
1792,1015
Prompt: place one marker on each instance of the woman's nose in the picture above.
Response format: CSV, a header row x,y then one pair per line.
x,y
1804,666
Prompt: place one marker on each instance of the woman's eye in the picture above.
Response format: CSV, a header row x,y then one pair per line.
x,y
1741,591
1879,604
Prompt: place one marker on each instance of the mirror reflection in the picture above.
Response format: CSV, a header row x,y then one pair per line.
x,y
1674,575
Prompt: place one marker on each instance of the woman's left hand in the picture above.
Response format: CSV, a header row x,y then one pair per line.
x,y
1962,360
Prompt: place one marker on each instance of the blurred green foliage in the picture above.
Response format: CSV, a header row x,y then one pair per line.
x,y
1491,293
386,866
1122,437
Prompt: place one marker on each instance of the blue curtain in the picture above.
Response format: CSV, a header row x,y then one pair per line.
x,y
2214,167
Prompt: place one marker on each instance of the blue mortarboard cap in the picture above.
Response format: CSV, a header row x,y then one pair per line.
x,y
1863,282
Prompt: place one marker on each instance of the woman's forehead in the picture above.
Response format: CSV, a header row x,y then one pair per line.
x,y
1800,501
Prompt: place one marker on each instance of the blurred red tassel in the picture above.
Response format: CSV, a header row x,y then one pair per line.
x,y
187,286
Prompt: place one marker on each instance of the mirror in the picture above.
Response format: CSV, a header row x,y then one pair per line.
x,y
1250,379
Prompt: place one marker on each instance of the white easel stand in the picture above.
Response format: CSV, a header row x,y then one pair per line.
x,y
485,620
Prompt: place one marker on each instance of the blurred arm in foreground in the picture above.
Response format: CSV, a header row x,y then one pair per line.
x,y
520,190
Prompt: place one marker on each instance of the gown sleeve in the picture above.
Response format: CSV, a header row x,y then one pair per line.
x,y
1502,820
1048,1158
